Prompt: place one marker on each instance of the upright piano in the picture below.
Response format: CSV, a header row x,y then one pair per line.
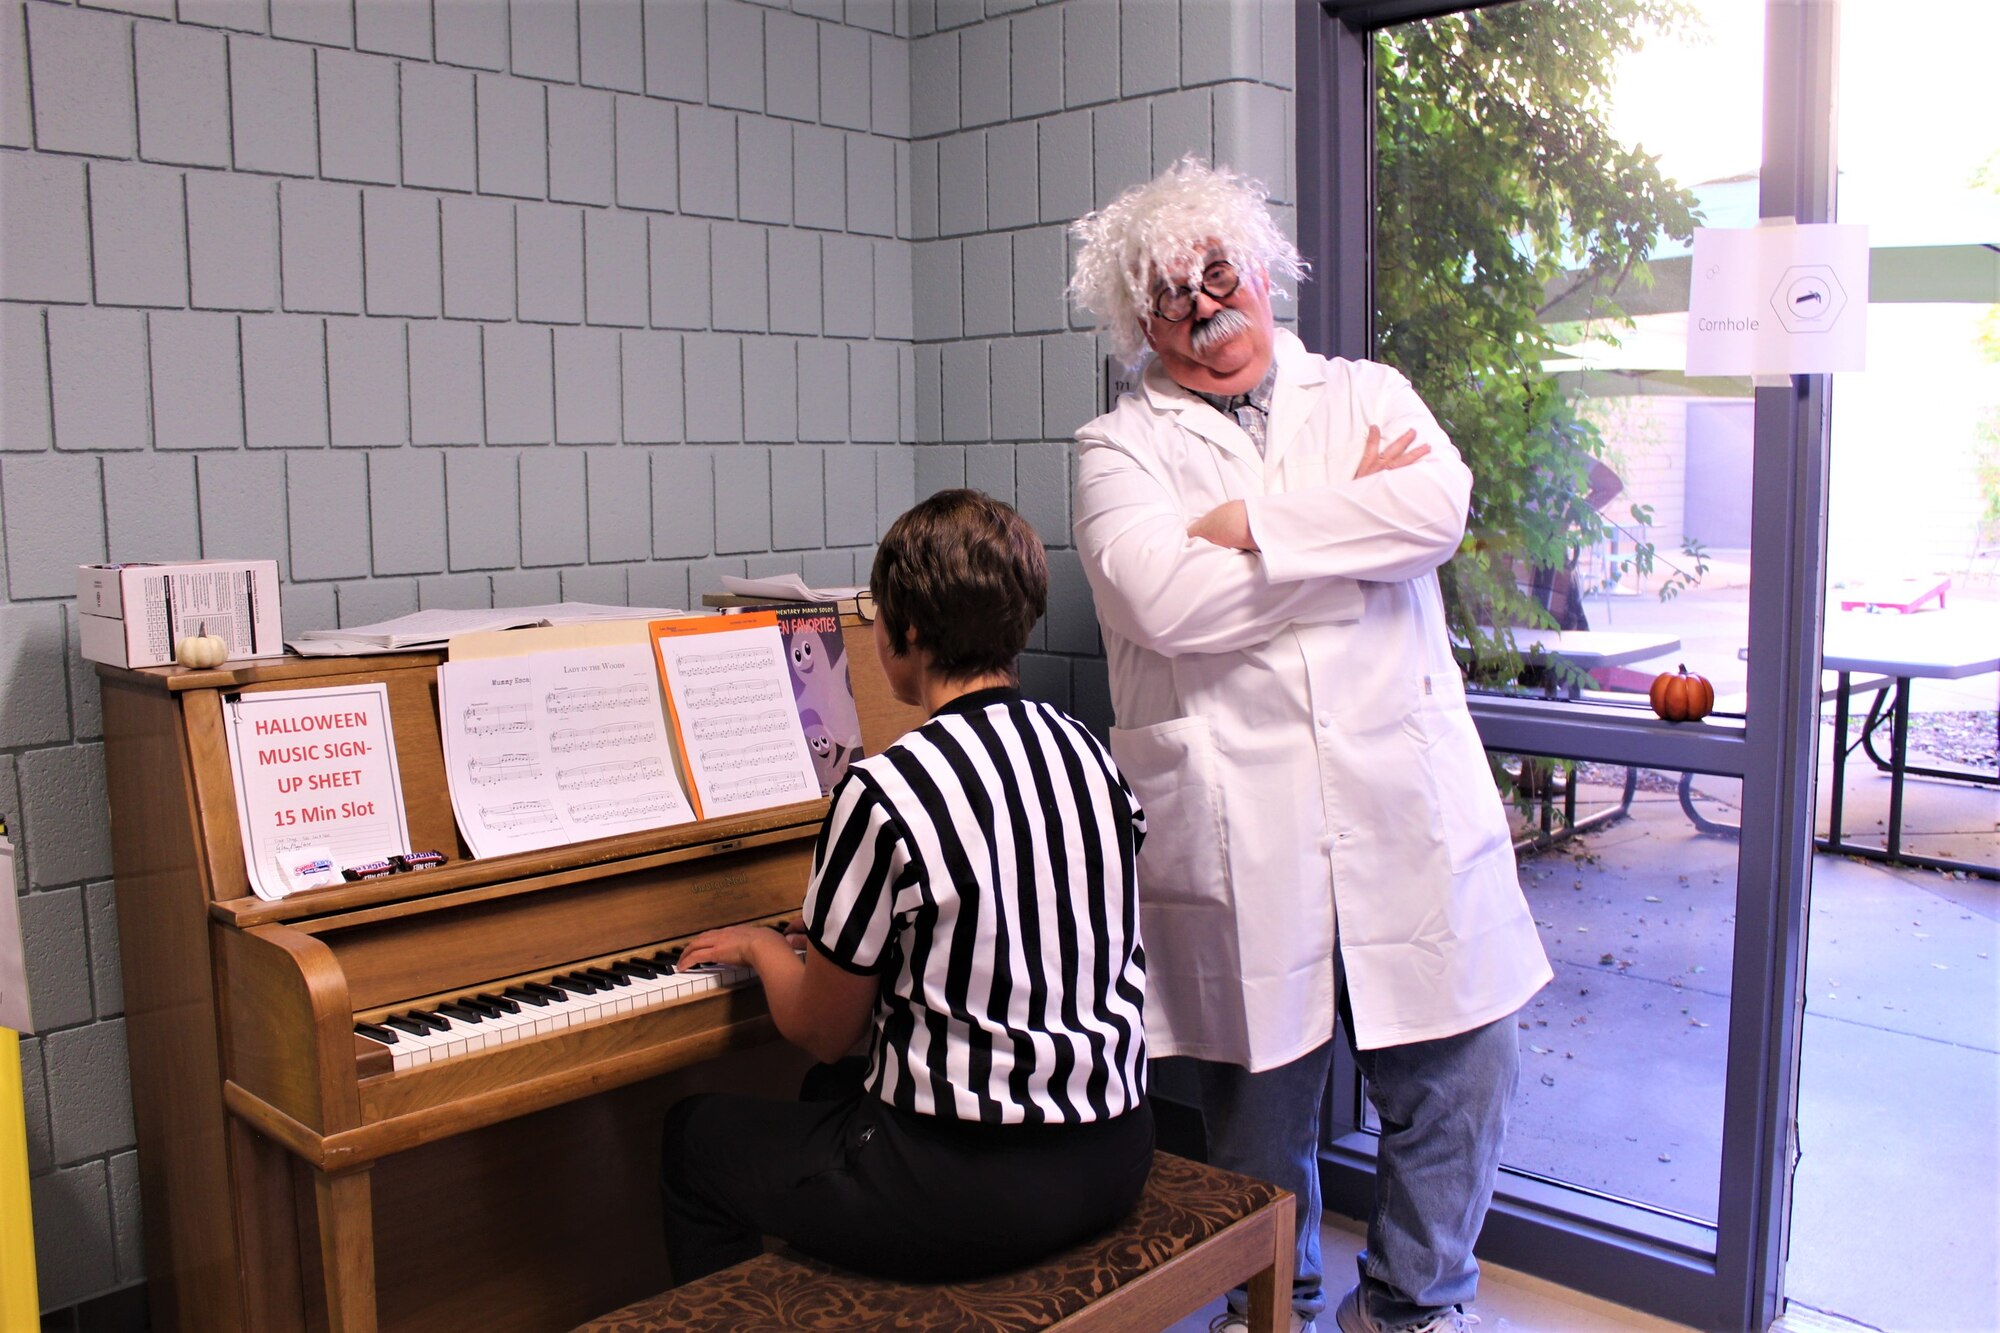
x,y
499,1175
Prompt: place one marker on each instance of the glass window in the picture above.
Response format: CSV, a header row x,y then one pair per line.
x,y
1540,169
1901,992
1631,875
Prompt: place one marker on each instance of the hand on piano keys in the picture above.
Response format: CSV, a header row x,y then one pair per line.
x,y
516,1011
736,946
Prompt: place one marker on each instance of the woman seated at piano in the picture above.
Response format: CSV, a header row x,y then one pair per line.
x,y
972,915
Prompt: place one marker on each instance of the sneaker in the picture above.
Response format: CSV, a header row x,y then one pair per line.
x,y
1231,1322
1353,1317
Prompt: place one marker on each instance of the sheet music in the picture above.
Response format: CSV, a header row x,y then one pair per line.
x,y
437,626
732,698
789,588
557,747
314,768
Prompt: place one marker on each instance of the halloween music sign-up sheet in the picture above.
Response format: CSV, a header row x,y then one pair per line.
x,y
314,768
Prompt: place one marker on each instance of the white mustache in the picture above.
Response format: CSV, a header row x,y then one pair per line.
x,y
1219,327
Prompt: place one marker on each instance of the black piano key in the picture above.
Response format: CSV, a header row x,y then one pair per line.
x,y
550,994
373,1033
523,995
633,967
461,1013
415,1027
437,1021
499,1002
607,976
479,1006
575,984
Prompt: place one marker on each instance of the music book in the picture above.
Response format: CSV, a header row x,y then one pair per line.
x,y
816,656
730,701
550,748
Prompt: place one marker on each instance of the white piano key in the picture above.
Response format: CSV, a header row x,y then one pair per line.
x,y
414,1050
423,1046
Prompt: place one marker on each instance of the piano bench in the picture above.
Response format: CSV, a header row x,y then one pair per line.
x,y
1196,1232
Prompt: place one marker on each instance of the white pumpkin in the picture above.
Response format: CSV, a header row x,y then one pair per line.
x,y
202,649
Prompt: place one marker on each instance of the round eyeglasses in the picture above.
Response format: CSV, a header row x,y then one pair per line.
x,y
1218,283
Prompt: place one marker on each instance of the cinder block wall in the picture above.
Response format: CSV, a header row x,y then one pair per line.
x,y
464,303
1022,118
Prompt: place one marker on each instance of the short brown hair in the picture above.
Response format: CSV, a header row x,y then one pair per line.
x,y
969,575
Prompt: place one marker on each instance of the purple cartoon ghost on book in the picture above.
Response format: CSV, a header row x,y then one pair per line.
x,y
826,703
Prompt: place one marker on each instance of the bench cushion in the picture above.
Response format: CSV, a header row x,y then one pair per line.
x,y
1184,1204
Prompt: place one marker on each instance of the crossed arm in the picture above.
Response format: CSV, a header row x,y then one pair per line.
x,y
1228,524
1157,588
1248,570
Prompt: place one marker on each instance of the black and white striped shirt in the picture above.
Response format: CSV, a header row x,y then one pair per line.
x,y
983,867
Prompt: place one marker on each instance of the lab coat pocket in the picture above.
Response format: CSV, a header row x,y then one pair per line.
x,y
1174,771
1468,805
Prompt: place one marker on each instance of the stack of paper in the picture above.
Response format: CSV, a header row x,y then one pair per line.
x,y
423,630
788,588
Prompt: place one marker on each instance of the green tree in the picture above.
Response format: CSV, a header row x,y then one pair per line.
x,y
1502,191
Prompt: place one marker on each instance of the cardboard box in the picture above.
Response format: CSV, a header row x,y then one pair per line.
x,y
134,614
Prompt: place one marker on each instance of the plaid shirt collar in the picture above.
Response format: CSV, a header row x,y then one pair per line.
x,y
1252,410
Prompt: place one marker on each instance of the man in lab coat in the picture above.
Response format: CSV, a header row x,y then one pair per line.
x,y
1262,528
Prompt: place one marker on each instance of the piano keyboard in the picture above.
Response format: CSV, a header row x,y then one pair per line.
x,y
482,1019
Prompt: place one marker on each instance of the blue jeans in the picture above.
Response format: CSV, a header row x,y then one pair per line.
x,y
1443,1106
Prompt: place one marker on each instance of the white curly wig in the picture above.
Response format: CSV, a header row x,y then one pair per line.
x,y
1164,229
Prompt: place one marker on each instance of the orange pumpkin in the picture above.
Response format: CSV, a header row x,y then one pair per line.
x,y
1681,696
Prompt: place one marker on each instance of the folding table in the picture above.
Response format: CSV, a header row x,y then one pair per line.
x,y
1941,646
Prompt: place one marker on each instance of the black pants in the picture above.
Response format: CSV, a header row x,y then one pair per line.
x,y
862,1185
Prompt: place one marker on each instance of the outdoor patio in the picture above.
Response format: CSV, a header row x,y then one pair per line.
x,y
1898,1187
1623,1055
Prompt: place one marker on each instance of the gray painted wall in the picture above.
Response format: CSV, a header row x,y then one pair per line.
x,y
466,303
1022,118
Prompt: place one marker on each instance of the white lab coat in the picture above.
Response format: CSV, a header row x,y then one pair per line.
x,y
1294,723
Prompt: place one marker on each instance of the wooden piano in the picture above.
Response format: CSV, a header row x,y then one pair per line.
x,y
292,1176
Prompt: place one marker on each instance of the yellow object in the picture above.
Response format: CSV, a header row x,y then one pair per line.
x,y
19,1305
